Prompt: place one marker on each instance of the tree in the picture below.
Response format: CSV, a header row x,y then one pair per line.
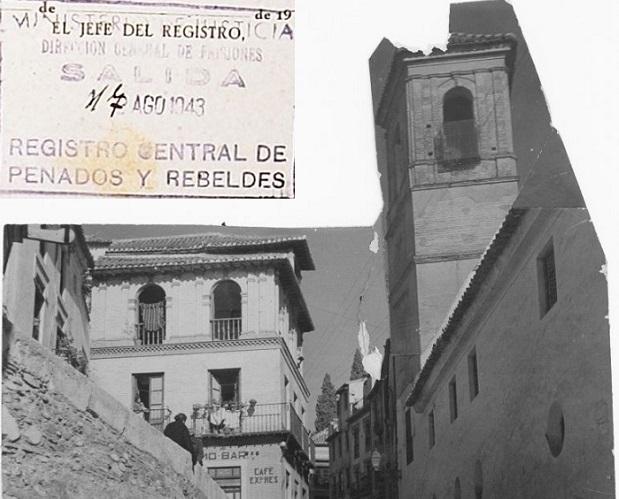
x,y
357,371
325,405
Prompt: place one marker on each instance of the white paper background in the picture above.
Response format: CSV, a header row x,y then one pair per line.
x,y
573,45
46,88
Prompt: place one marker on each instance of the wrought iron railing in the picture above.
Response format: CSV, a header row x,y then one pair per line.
x,y
457,143
226,329
149,337
158,417
237,419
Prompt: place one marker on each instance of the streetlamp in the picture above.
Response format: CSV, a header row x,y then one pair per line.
x,y
375,458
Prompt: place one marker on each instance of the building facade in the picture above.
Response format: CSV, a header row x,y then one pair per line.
x,y
319,483
350,457
449,177
500,346
360,466
515,399
212,326
45,287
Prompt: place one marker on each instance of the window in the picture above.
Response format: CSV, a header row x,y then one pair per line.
x,y
151,325
224,386
547,278
453,400
478,480
355,441
286,389
555,429
63,268
395,163
226,321
409,437
39,301
458,105
456,144
148,398
229,479
367,434
457,489
62,342
431,431
473,374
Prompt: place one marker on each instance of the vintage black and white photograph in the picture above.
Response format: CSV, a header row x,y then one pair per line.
x,y
455,345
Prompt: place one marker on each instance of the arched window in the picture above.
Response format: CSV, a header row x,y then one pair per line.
x,y
226,321
458,105
457,143
151,315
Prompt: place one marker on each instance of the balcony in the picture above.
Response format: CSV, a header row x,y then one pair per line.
x,y
145,336
456,145
226,329
211,420
158,418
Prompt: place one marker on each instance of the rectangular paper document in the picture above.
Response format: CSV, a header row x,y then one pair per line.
x,y
148,98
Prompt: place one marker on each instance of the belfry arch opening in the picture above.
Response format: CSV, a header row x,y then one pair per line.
x,y
151,327
226,316
458,105
457,143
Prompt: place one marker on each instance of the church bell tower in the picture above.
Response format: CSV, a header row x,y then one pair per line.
x,y
449,177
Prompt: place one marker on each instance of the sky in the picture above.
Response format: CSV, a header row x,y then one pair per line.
x,y
346,270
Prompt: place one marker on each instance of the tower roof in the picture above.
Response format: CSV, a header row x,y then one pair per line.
x,y
458,45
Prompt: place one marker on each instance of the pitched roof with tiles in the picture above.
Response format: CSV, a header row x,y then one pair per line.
x,y
140,262
465,42
216,244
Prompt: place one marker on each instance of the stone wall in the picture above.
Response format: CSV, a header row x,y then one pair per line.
x,y
62,436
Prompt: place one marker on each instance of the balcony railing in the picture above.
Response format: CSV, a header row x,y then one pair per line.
x,y
239,419
149,337
457,144
158,418
226,329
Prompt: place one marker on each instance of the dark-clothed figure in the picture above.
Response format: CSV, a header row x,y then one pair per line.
x,y
197,455
178,432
